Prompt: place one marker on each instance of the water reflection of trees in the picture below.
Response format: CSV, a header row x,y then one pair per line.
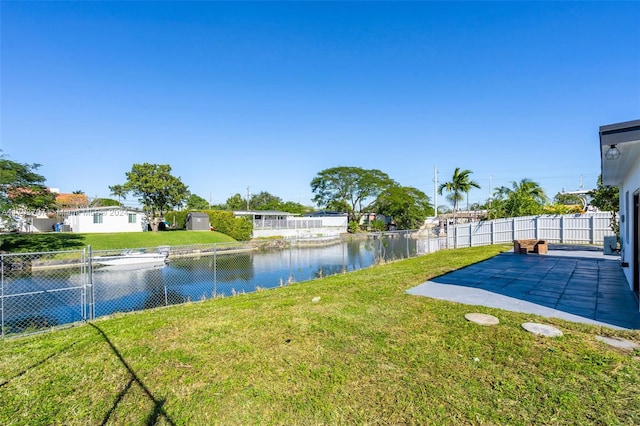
x,y
29,324
326,270
227,268
162,296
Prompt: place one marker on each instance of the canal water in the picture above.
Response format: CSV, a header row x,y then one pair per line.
x,y
46,298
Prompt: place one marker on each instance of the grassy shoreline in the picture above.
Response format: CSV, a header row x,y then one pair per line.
x,y
366,352
48,242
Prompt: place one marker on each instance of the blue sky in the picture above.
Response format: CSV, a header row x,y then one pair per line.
x,y
265,95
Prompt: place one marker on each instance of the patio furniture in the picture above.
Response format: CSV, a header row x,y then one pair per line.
x,y
530,246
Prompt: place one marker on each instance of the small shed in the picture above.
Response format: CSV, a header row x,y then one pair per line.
x,y
198,222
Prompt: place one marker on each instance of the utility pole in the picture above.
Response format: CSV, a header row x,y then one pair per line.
x,y
248,196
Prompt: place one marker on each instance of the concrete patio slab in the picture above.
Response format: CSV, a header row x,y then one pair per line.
x,y
571,282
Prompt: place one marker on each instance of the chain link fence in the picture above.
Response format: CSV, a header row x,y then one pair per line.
x,y
42,290
39,291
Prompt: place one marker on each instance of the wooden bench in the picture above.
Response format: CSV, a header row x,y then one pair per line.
x,y
530,246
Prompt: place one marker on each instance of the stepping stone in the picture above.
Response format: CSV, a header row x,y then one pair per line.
x,y
482,319
542,329
618,342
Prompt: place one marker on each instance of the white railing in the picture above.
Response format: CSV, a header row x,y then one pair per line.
x,y
590,228
287,224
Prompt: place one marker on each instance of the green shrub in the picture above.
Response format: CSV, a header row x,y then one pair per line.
x,y
222,221
378,225
177,220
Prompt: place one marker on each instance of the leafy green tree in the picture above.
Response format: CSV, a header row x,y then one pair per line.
x,y
558,208
158,189
264,201
378,225
104,202
348,188
459,184
21,188
408,206
338,206
524,198
236,202
607,199
196,202
568,199
292,207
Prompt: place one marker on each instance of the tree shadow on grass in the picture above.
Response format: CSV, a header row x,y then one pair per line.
x,y
15,243
158,409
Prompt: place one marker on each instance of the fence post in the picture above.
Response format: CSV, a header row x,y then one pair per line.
x,y
215,271
513,229
91,294
561,229
536,232
455,236
592,233
493,230
406,236
470,235
164,287
83,293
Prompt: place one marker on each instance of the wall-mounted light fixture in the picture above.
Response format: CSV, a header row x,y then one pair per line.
x,y
612,153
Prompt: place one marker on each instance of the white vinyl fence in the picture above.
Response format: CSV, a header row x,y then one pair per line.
x,y
589,228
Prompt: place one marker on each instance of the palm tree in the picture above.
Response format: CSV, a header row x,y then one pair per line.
x,y
460,184
523,198
118,191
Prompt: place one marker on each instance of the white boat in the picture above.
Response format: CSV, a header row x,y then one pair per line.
x,y
129,257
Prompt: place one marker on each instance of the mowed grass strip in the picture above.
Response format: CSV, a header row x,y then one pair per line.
x,y
365,353
153,239
13,243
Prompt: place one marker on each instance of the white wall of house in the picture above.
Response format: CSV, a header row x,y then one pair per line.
x,y
623,170
630,186
104,220
299,233
301,227
42,224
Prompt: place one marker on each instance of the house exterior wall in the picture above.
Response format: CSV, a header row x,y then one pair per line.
x,y
42,224
301,227
113,220
298,233
630,186
620,164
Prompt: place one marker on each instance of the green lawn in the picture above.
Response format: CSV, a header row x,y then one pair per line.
x,y
118,240
365,353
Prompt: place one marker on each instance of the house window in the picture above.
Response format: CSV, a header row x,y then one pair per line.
x,y
132,218
97,218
